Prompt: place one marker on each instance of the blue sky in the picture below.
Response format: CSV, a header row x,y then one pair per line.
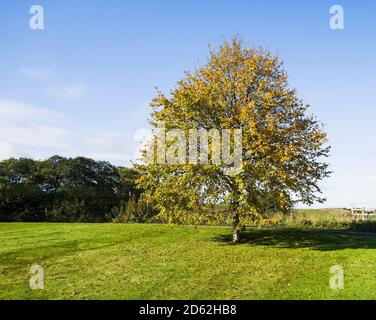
x,y
82,85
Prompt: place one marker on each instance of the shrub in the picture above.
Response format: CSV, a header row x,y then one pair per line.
x,y
136,211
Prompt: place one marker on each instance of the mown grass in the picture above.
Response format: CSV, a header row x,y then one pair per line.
x,y
116,261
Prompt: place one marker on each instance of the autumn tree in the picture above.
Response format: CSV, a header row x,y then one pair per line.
x,y
283,147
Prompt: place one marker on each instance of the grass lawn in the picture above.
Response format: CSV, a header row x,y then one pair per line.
x,y
115,261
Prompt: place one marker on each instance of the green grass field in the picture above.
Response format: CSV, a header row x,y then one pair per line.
x,y
115,261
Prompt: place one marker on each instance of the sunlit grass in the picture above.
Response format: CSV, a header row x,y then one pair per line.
x,y
114,261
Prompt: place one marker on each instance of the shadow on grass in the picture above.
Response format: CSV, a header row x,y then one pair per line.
x,y
310,239
44,251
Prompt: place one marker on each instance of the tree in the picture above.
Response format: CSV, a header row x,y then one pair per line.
x,y
62,189
92,187
128,179
282,147
20,195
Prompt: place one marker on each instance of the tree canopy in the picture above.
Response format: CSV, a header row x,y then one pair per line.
x,y
283,147
63,189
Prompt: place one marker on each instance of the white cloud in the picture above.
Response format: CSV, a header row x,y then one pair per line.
x,y
13,111
37,73
114,158
30,131
7,150
27,130
371,179
67,92
98,142
116,147
70,91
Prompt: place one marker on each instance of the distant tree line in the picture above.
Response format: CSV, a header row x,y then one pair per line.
x,y
64,190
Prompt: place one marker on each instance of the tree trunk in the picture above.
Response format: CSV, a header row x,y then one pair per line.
x,y
236,228
236,215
